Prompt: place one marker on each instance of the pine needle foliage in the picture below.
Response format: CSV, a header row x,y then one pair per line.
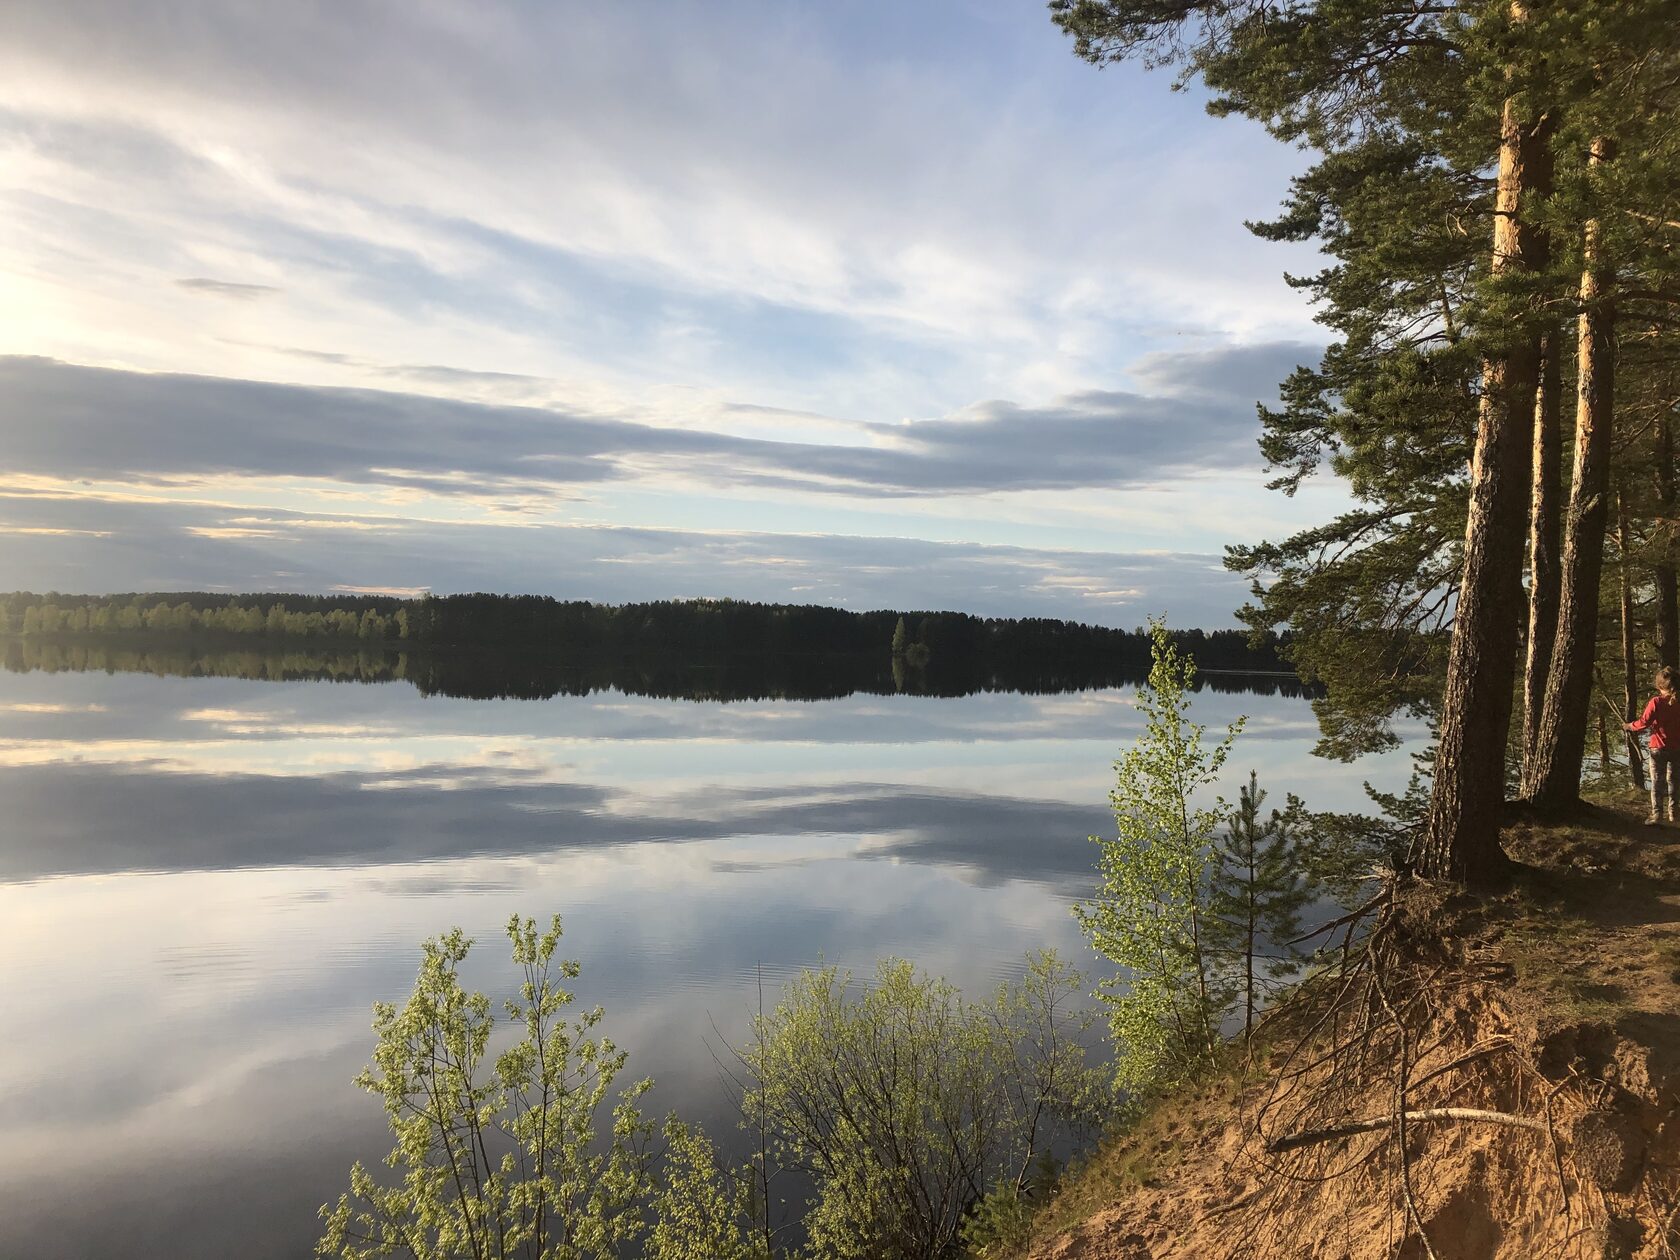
x,y
1259,888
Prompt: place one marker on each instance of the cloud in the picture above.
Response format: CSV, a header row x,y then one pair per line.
x,y
777,270
69,421
126,545
1252,370
226,288
862,199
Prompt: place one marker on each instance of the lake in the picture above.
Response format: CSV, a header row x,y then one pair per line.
x,y
205,882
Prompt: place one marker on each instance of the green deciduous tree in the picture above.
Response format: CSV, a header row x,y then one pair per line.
x,y
907,1105
702,1211
1149,915
528,1155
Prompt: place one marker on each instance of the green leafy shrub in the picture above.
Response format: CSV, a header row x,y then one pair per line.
x,y
504,1158
907,1105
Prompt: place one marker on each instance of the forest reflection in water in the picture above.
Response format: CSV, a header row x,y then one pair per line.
x,y
206,879
668,675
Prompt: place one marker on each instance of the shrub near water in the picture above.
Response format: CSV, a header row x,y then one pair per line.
x,y
914,1113
497,1158
1198,903
909,1105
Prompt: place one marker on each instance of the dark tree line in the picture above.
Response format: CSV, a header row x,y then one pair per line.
x,y
957,652
198,614
539,624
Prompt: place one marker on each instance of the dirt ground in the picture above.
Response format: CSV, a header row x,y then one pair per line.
x,y
1524,1101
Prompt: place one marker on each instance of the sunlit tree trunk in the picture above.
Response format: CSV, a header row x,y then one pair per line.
x,y
1560,742
1544,530
1460,840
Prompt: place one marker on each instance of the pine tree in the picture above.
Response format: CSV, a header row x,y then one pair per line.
x,y
1390,410
1259,887
1433,401
1454,78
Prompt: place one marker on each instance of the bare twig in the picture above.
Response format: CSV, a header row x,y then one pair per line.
x,y
1352,916
1399,1117
1557,1150
1492,1046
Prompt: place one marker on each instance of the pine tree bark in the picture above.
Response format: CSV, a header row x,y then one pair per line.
x,y
1460,839
1668,590
1630,661
1560,741
1544,538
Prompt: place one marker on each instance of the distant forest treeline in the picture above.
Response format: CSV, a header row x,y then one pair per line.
x,y
530,644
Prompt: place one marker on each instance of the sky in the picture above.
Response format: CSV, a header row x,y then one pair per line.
x,y
827,301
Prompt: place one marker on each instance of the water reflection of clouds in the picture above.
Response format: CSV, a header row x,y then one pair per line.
x,y
247,1075
205,883
94,819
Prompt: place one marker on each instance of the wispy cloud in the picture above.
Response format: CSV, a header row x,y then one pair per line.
x,y
754,270
227,288
178,546
71,421
948,179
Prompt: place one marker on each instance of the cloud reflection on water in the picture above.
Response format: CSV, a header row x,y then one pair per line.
x,y
204,883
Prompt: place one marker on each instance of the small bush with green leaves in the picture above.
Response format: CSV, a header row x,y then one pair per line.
x,y
502,1158
908,1105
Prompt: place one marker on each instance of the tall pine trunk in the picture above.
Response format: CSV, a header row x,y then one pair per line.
x,y
1544,536
1560,743
1460,840
1630,656
1668,591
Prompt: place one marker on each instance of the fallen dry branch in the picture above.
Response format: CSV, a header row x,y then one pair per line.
x,y
1311,1137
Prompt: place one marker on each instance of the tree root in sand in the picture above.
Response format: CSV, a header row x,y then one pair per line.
x,y
1408,1109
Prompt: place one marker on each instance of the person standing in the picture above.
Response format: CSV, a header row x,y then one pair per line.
x,y
1662,719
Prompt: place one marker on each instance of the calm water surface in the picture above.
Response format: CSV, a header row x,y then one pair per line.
x,y
206,882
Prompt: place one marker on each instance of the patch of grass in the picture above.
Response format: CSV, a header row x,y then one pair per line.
x,y
1667,951
1116,1169
1615,792
1142,1153
1546,946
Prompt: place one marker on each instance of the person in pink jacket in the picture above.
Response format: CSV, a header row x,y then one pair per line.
x,y
1662,719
